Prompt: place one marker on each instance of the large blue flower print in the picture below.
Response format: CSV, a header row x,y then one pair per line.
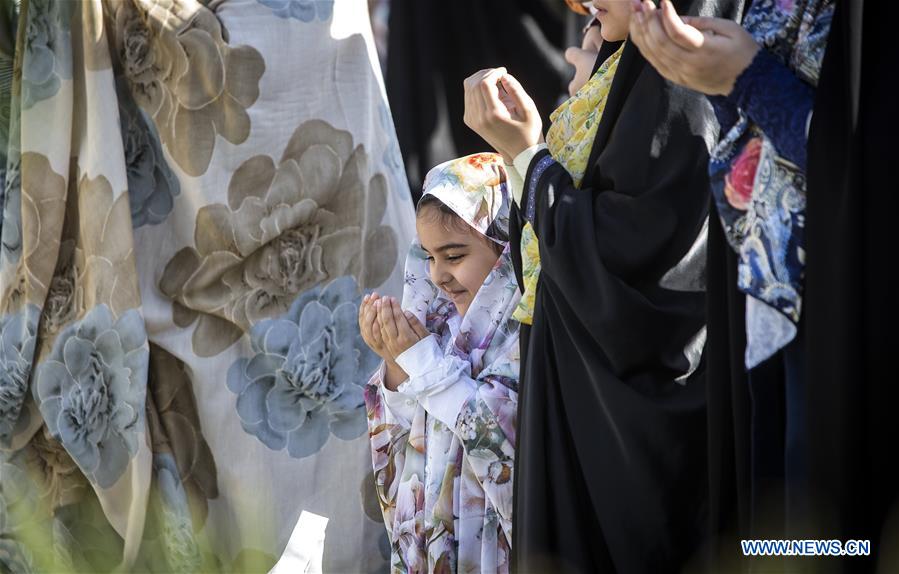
x,y
152,186
303,10
91,391
48,49
304,380
17,337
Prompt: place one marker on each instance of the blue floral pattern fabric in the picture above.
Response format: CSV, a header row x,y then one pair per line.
x,y
47,60
17,339
303,10
183,248
304,381
756,169
91,391
152,185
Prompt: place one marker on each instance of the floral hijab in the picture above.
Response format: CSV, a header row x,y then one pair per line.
x,y
759,194
475,187
445,488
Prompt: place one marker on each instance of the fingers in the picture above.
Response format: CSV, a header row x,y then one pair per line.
x,y
398,334
365,314
489,92
522,100
664,47
472,104
719,26
668,58
684,36
482,111
385,319
641,17
407,336
592,40
416,325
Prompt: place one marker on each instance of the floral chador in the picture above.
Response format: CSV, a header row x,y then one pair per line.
x,y
443,444
195,196
757,168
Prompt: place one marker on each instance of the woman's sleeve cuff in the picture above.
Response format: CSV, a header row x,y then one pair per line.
x,y
523,160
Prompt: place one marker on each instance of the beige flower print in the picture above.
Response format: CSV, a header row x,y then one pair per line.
x,y
311,218
96,256
185,76
42,210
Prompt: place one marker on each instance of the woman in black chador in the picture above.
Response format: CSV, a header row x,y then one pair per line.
x,y
611,465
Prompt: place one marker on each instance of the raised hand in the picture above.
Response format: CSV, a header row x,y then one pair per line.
x,y
583,58
703,54
499,110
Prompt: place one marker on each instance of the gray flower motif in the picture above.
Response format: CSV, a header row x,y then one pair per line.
x,y
307,373
17,338
48,49
303,10
91,391
152,186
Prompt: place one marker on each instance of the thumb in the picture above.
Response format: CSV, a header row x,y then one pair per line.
x,y
416,325
522,100
719,26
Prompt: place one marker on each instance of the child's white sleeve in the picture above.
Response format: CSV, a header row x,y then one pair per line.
x,y
400,406
441,384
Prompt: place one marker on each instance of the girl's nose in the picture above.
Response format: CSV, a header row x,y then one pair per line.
x,y
439,275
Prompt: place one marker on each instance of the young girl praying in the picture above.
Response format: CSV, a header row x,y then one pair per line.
x,y
441,408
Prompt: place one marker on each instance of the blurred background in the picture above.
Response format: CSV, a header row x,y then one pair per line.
x,y
427,48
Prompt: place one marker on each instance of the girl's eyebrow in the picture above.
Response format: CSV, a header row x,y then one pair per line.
x,y
446,247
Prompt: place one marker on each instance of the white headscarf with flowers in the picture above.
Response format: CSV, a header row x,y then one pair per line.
x,y
475,188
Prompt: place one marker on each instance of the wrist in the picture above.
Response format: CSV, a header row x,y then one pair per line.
x,y
394,375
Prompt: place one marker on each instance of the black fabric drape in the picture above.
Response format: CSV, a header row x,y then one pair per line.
x,y
728,402
849,318
433,46
850,308
611,465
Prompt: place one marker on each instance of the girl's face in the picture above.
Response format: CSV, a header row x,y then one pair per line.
x,y
459,259
615,16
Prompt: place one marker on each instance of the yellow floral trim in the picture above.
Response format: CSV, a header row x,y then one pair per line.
x,y
569,140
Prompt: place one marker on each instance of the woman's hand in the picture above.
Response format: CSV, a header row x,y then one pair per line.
x,y
583,59
499,110
703,54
